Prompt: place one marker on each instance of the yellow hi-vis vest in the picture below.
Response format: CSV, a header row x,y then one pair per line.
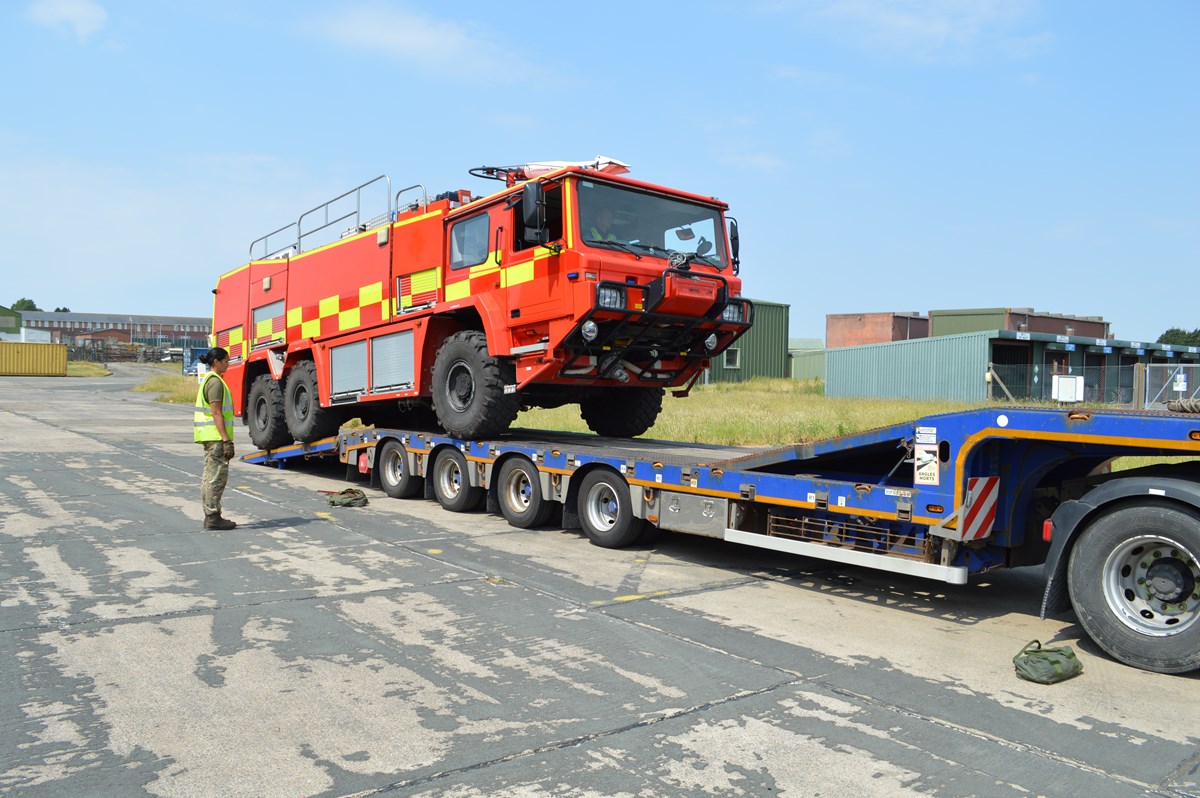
x,y
204,428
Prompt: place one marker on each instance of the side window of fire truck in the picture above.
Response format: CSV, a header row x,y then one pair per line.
x,y
554,219
469,242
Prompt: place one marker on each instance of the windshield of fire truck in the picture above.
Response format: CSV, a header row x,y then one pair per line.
x,y
645,223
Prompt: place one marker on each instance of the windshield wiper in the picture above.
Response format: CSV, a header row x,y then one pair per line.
x,y
613,244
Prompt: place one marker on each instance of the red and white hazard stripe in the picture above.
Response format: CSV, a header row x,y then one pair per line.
x,y
980,507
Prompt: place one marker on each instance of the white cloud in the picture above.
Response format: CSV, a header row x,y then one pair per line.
x,y
83,17
424,42
931,29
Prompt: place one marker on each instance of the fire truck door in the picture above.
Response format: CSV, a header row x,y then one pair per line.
x,y
268,299
533,275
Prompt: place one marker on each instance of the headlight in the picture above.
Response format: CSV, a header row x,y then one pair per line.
x,y
732,312
589,330
610,297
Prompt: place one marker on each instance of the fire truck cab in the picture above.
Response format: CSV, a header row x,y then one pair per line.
x,y
572,284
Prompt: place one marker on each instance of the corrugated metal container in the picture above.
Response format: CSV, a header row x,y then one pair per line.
x,y
761,352
33,360
954,322
946,367
808,365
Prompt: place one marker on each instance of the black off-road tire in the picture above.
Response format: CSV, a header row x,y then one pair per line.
x,y
468,388
1134,575
307,421
621,412
264,414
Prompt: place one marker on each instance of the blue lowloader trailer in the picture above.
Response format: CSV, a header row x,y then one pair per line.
x,y
946,497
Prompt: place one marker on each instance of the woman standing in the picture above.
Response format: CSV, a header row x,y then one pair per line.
x,y
213,427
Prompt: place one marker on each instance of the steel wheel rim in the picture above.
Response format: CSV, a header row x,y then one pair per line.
x,y
460,386
450,478
260,413
602,507
1152,585
393,469
518,490
300,402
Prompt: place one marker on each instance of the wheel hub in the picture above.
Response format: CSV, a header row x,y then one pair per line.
x,y
1167,580
461,386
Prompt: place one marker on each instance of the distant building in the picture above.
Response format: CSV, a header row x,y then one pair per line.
x,y
955,322
84,329
761,352
857,329
806,358
10,321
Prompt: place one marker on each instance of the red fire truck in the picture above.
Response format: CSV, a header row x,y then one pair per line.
x,y
571,284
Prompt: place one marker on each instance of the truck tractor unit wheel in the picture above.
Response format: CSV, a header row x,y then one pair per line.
x,y
1134,579
452,483
519,491
264,414
394,475
468,388
621,412
605,512
306,419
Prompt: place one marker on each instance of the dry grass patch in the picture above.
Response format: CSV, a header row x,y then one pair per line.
x,y
761,412
79,368
172,388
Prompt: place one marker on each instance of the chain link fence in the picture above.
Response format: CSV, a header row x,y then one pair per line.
x,y
1145,385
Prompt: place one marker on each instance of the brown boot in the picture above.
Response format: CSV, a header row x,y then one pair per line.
x,y
217,522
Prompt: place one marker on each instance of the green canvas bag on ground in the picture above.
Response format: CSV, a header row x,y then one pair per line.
x,y
350,497
1047,665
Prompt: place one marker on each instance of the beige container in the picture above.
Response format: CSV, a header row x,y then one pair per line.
x,y
32,360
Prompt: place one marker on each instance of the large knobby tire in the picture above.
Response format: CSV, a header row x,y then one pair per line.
x,y
452,483
519,493
264,414
605,510
306,419
1134,578
621,412
394,475
468,388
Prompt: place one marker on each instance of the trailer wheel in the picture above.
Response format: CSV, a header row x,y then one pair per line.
x,y
605,512
268,428
306,419
1134,578
468,388
397,481
621,412
452,483
519,490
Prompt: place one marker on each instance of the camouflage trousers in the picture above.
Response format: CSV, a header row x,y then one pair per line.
x,y
216,474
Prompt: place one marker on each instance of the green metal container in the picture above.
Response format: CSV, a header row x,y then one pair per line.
x,y
761,352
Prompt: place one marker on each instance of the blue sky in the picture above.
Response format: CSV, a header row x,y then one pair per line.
x,y
879,155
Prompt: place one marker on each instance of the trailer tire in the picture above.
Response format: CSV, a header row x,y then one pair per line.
x,y
605,510
519,493
452,483
397,481
1134,579
468,388
307,421
621,412
264,414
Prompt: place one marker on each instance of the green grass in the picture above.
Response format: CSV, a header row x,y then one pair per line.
x,y
78,368
761,412
173,388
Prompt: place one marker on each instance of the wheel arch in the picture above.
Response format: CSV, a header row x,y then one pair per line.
x,y
1074,516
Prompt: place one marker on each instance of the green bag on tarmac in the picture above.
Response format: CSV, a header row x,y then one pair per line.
x,y
350,497
1047,665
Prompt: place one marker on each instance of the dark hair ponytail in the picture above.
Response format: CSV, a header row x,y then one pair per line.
x,y
213,355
